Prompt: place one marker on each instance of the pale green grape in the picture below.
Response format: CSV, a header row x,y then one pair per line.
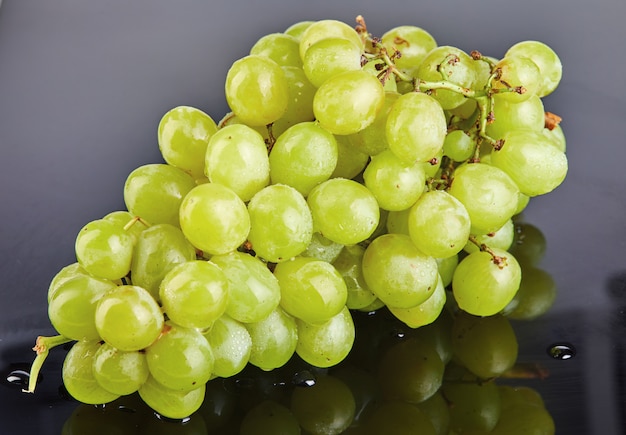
x,y
269,418
256,90
296,29
432,167
395,184
413,42
128,318
282,48
446,267
171,403
303,156
281,224
439,224
426,312
343,211
214,219
119,372
350,162
181,359
458,146
311,289
154,192
536,295
349,263
483,288
556,136
517,72
548,62
372,140
372,67
329,57
397,272
231,345
322,248
531,161
72,305
411,113
253,290
511,115
236,157
78,376
473,406
104,249
398,221
194,294
158,249
68,272
183,135
348,102
300,105
501,238
274,340
323,29
326,344
131,224
489,195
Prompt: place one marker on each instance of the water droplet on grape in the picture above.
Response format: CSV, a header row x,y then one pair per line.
x,y
562,351
304,378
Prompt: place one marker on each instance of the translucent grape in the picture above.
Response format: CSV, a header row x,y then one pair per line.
x,y
171,403
349,263
501,238
300,104
282,48
548,62
68,272
329,57
274,340
323,29
322,248
413,42
372,140
458,146
131,224
350,162
510,115
296,29
119,372
231,344
426,312
516,72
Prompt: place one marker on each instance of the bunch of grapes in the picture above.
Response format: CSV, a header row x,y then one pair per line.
x,y
352,173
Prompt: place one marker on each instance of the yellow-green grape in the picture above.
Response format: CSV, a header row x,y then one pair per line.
x,y
424,313
350,162
322,248
556,137
296,29
372,67
119,372
183,134
327,407
329,57
398,222
236,157
214,219
411,113
446,267
323,29
486,346
194,294
282,48
511,115
300,105
548,62
458,146
372,140
128,318
536,295
274,340
473,406
397,417
155,191
78,376
397,272
269,418
517,72
349,263
413,43
256,90
231,345
501,238
131,224
170,403
67,272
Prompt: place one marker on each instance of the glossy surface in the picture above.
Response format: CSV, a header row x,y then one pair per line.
x,y
84,85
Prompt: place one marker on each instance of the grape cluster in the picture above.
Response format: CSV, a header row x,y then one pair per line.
x,y
353,173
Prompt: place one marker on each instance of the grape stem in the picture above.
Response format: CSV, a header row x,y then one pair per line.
x,y
497,259
42,347
133,221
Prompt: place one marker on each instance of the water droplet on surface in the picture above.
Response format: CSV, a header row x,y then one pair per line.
x,y
562,351
303,378
125,408
100,406
18,378
172,420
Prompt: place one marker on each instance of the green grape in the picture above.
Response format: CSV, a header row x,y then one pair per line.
x,y
451,64
236,157
300,105
536,295
516,72
343,211
548,62
181,359
68,272
154,192
303,156
281,224
458,146
348,102
483,71
488,193
253,290
483,285
501,238
104,249
119,372
183,135
282,48
231,345
411,113
326,344
72,305
524,419
329,57
78,376
510,115
522,202
437,335
296,29
372,140
397,272
436,408
350,162
194,294
556,137
398,222
399,418
376,67
432,167
214,219
395,184
269,418
123,219
446,267
322,249
413,42
323,29
128,318
158,249
327,408
311,290
349,264
171,403
486,346
473,406
256,90
274,340
531,161
439,224
424,313
374,306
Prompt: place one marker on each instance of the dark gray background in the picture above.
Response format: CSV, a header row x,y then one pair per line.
x,y
83,85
